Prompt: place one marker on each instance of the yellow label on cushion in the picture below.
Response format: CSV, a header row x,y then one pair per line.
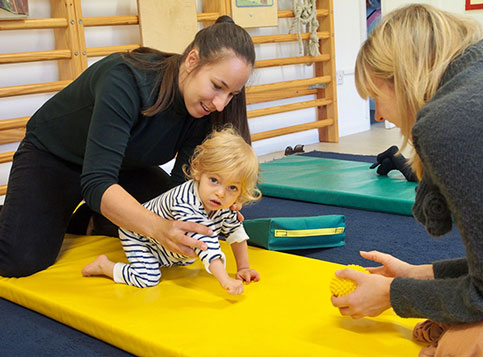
x,y
308,232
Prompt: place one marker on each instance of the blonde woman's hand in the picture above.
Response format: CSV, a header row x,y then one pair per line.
x,y
370,298
391,267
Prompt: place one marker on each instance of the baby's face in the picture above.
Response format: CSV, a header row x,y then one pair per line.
x,y
216,192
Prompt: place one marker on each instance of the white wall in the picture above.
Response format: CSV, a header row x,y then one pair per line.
x,y
350,31
353,113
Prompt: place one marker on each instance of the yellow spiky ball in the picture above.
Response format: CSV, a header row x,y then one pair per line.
x,y
342,286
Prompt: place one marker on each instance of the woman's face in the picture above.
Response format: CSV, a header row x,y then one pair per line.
x,y
212,86
386,106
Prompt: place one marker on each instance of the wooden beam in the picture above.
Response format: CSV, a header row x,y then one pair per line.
x,y
292,129
288,107
107,50
110,20
68,38
291,60
46,87
288,84
268,96
21,57
11,136
13,123
327,46
6,157
289,13
287,38
29,24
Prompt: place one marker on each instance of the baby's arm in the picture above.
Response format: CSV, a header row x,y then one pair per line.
x,y
234,287
244,273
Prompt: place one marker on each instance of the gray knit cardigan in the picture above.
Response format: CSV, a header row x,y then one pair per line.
x,y
448,136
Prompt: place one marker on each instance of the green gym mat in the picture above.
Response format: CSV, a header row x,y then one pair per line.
x,y
338,183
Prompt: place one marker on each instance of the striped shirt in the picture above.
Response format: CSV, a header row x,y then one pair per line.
x,y
146,256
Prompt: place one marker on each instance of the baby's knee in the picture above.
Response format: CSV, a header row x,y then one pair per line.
x,y
149,282
146,280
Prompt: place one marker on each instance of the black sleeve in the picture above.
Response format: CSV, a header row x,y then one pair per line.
x,y
116,108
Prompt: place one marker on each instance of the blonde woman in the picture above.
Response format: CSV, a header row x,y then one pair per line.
x,y
424,69
223,172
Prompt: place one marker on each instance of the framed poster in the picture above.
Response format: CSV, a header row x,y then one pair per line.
x,y
14,9
474,4
255,13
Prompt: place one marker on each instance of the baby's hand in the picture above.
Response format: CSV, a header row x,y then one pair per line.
x,y
247,275
234,287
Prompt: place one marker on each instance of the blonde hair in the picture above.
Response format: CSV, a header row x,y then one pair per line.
x,y
411,49
227,154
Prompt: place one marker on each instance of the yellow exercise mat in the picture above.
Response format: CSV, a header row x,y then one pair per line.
x,y
287,313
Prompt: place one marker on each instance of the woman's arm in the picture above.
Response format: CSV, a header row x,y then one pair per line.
x,y
393,267
123,210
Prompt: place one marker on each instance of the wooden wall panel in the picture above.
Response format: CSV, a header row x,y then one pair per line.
x,y
71,54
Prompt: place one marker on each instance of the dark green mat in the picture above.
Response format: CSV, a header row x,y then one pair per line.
x,y
336,182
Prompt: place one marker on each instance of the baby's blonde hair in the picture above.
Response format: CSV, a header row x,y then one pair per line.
x,y
411,49
225,153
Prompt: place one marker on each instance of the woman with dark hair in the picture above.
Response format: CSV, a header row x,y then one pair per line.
x,y
102,138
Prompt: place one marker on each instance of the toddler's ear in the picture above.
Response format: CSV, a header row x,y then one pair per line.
x,y
196,177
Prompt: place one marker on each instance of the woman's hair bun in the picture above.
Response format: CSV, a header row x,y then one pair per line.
x,y
224,18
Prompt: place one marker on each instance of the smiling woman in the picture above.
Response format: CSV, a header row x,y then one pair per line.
x,y
103,137
210,88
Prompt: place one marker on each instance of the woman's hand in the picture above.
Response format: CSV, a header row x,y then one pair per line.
x,y
126,212
371,297
174,238
237,207
393,267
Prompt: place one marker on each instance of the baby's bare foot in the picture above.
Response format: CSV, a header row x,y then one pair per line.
x,y
96,267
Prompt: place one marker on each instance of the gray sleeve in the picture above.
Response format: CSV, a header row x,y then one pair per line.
x,y
452,300
450,268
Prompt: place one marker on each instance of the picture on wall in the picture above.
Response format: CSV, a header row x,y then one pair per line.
x,y
474,4
255,13
251,3
13,9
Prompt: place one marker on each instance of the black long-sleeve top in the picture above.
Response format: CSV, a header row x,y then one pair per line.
x,y
96,122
